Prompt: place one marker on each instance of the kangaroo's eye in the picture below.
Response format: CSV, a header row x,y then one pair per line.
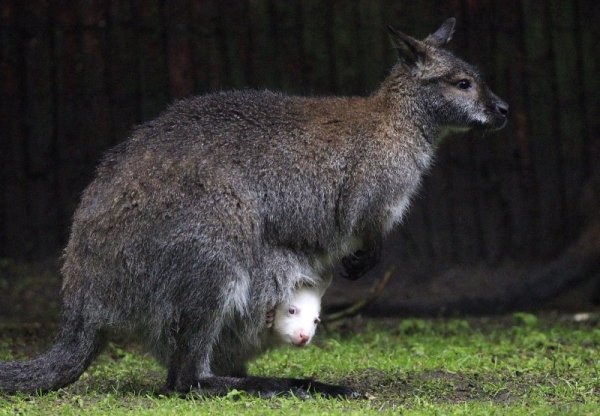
x,y
292,311
317,321
463,84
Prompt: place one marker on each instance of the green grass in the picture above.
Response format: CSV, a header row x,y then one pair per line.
x,y
513,365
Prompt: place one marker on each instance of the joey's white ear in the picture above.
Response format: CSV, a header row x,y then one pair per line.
x,y
324,284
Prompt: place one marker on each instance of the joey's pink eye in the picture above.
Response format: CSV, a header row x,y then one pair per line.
x,y
292,311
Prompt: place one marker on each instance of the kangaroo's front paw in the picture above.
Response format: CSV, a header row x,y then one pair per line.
x,y
270,318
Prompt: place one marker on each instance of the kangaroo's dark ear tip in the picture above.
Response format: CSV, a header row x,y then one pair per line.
x,y
392,30
444,33
450,24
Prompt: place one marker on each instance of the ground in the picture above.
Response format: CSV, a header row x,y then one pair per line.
x,y
516,364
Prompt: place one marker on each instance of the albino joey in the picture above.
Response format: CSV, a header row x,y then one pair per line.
x,y
295,321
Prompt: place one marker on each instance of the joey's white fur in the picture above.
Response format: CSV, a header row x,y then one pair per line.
x,y
295,322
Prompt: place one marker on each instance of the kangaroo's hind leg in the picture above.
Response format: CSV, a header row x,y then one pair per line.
x,y
207,296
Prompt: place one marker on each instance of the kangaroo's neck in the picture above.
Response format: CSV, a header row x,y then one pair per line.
x,y
406,115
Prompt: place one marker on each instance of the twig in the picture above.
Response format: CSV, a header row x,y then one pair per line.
x,y
374,293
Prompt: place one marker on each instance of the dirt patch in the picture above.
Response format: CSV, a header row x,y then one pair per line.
x,y
436,386
26,340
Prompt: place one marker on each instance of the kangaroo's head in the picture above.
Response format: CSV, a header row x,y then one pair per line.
x,y
451,91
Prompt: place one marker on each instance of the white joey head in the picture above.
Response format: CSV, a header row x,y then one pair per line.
x,y
295,322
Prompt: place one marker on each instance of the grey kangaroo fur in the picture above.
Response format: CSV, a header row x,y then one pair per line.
x,y
211,214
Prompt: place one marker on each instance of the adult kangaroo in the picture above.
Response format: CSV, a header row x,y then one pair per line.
x,y
212,214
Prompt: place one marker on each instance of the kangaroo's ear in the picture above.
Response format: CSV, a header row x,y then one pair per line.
x,y
410,50
443,35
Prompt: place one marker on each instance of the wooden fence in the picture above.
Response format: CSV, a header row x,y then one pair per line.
x,y
75,76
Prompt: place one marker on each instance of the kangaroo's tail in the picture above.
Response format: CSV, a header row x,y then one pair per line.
x,y
75,347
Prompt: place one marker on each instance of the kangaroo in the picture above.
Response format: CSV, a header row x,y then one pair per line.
x,y
210,215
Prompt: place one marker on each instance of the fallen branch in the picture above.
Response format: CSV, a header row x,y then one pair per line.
x,y
373,294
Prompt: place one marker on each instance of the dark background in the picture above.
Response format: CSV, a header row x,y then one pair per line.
x,y
503,221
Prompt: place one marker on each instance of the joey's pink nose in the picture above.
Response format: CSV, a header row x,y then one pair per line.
x,y
302,339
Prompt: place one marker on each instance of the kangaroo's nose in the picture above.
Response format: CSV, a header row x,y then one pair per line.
x,y
502,108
